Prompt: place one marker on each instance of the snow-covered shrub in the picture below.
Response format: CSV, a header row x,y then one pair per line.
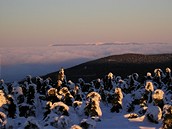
x,y
78,107
51,120
158,98
63,122
68,99
3,99
110,75
31,123
63,91
167,121
149,86
119,93
75,127
59,84
137,95
93,108
158,94
17,92
3,120
168,70
76,104
47,109
123,85
29,79
53,96
88,124
165,109
132,82
3,86
117,100
11,124
158,72
52,92
60,122
11,106
26,110
60,108
31,93
71,85
80,80
61,75
154,114
141,110
97,83
149,74
132,115
94,95
39,83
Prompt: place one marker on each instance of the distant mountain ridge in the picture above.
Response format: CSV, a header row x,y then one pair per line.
x,y
104,43
120,65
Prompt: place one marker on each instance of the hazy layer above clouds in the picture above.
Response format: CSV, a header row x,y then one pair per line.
x,y
17,62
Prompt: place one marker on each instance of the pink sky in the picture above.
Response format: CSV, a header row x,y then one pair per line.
x,y
42,22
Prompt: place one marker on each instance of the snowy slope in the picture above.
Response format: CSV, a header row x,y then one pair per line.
x,y
120,121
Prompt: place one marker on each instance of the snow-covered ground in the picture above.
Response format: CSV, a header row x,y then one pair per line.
x,y
17,62
120,121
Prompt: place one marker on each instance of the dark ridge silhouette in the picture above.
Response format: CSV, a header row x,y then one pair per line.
x,y
120,65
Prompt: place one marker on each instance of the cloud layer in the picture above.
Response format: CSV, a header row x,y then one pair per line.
x,y
16,63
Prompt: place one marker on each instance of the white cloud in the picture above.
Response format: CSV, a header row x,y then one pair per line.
x,y
16,63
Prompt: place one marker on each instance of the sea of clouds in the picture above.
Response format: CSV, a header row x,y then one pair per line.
x,y
18,62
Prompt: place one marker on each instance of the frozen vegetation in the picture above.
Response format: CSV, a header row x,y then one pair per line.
x,y
111,102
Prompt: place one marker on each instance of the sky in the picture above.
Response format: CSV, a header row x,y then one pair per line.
x,y
45,22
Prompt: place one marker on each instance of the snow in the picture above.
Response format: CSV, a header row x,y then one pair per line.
x,y
119,121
